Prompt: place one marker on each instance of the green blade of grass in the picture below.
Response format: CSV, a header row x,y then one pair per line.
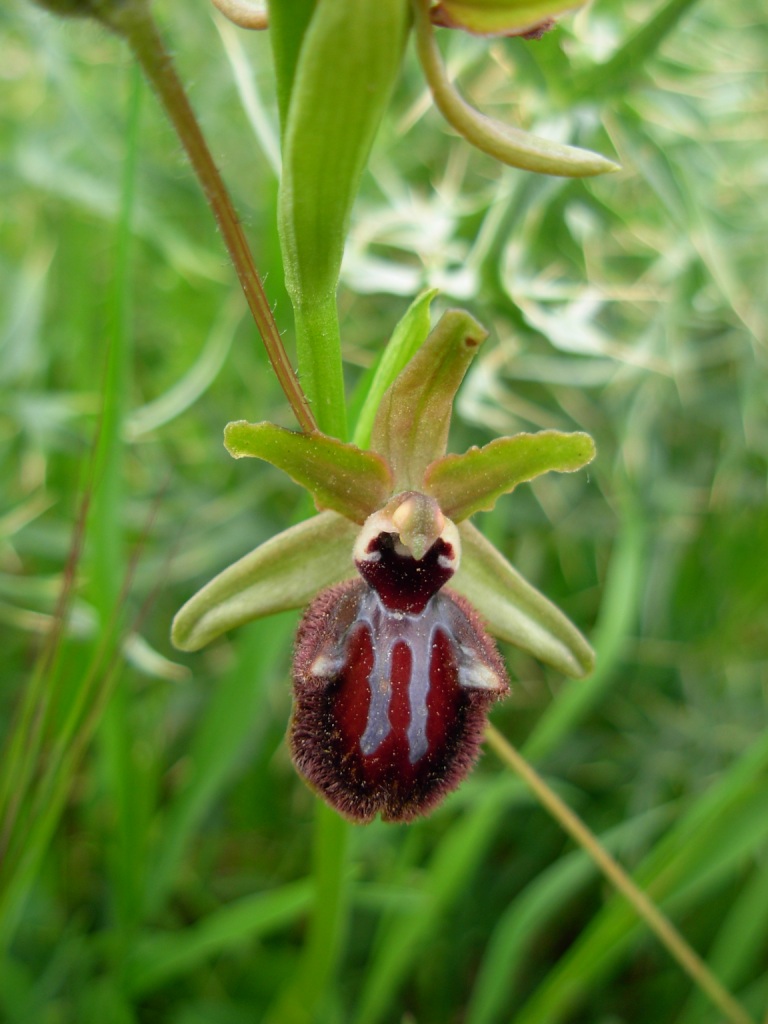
x,y
668,866
536,908
741,937
121,773
619,609
231,722
450,870
310,986
160,957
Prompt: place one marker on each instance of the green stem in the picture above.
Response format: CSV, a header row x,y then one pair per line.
x,y
135,23
326,930
26,734
299,1003
109,558
318,350
660,925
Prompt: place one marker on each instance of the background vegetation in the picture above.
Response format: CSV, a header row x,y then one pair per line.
x,y
165,869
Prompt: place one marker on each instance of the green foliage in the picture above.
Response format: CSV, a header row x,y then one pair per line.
x,y
330,123
168,871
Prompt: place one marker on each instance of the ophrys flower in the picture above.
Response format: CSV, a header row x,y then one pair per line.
x,y
394,670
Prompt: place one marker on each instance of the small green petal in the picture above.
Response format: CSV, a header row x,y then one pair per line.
x,y
284,572
469,483
339,476
411,428
514,610
499,17
409,335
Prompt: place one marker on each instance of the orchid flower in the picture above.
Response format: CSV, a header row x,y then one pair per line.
x,y
394,671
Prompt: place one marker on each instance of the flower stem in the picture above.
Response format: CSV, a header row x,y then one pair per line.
x,y
137,26
660,925
318,352
310,983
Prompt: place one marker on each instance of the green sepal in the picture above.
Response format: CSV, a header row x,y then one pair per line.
x,y
499,17
284,572
411,427
339,476
473,482
409,335
516,611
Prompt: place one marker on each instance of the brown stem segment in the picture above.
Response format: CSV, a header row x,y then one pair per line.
x,y
135,23
646,909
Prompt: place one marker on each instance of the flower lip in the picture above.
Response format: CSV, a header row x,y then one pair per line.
x,y
403,584
407,552
390,708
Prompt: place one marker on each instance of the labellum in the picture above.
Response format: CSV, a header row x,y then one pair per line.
x,y
393,675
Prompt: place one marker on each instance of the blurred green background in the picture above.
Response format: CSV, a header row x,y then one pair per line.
x,y
162,869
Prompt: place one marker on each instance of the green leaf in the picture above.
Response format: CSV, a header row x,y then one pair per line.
x,y
162,956
339,476
472,482
515,611
625,581
407,338
499,17
632,57
347,65
232,731
288,21
411,428
284,572
501,141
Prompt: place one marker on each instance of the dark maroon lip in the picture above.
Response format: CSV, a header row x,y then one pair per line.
x,y
403,583
390,706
